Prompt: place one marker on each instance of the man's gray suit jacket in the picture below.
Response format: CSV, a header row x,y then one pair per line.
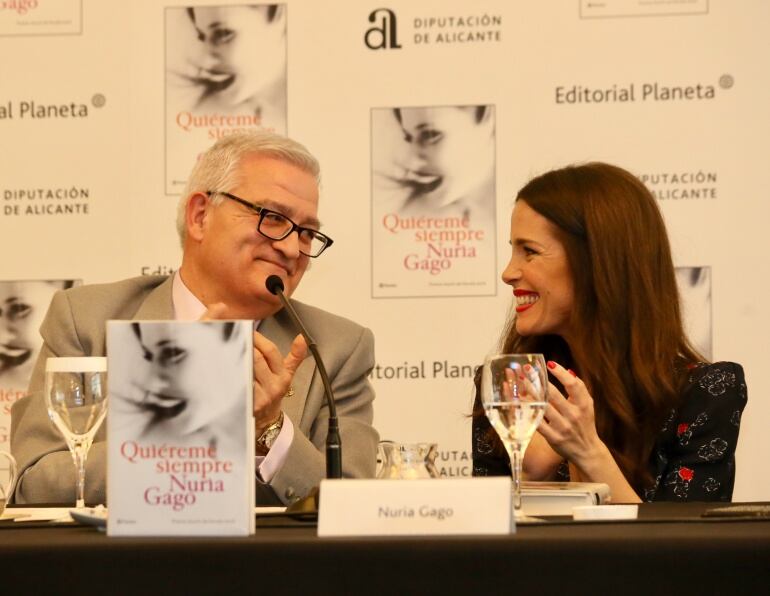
x,y
75,326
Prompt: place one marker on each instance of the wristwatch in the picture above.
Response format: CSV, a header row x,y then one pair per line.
x,y
269,435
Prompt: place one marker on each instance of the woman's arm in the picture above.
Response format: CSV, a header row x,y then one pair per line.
x,y
700,455
540,462
570,430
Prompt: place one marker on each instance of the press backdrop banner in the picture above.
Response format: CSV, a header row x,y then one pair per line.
x,y
427,117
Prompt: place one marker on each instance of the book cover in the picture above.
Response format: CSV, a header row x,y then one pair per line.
x,y
558,498
180,428
433,201
23,304
225,72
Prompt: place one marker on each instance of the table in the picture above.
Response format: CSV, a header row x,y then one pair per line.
x,y
669,550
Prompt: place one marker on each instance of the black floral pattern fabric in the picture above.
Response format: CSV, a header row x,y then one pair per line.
x,y
694,454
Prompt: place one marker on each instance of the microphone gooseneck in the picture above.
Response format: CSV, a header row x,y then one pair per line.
x,y
274,285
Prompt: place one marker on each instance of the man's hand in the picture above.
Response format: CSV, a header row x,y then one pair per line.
x,y
272,377
272,372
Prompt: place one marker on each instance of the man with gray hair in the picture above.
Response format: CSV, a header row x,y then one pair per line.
x,y
250,210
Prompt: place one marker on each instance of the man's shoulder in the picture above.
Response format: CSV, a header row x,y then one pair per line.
x,y
114,298
342,342
320,321
132,285
75,321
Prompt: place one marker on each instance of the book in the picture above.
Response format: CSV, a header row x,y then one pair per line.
x,y
180,428
558,498
213,90
433,205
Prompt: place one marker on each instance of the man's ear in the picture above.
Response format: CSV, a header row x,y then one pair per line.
x,y
195,215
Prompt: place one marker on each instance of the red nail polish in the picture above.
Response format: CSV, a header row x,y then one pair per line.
x,y
572,372
527,367
551,364
521,377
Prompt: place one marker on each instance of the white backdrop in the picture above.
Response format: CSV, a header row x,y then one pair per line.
x,y
677,92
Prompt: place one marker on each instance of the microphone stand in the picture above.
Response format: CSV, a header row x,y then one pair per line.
x,y
274,284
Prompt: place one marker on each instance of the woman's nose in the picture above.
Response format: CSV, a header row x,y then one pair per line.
x,y
7,330
512,272
417,159
210,58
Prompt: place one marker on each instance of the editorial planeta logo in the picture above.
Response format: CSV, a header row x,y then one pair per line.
x,y
157,270
423,369
445,29
640,92
35,110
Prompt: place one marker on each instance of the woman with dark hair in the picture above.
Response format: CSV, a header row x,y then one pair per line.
x,y
632,403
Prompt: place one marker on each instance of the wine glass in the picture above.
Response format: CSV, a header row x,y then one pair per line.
x,y
7,491
76,396
514,393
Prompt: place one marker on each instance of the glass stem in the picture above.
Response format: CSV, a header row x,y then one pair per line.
x,y
516,469
79,454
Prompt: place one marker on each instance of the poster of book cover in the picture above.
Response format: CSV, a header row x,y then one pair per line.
x,y
225,72
40,17
433,201
180,428
695,290
23,305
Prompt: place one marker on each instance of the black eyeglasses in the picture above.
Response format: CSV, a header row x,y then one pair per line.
x,y
276,226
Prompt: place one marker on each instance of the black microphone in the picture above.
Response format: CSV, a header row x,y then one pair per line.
x,y
274,285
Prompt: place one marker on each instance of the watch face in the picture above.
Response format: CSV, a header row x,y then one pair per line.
x,y
271,433
270,436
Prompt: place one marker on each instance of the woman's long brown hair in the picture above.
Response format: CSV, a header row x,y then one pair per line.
x,y
627,340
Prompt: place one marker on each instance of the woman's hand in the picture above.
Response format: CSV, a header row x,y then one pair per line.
x,y
570,429
569,425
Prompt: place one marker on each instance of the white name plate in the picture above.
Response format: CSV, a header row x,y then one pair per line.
x,y
415,507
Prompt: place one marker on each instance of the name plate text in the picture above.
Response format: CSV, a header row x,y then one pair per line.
x,y
415,507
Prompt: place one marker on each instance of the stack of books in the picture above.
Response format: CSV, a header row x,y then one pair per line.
x,y
558,498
